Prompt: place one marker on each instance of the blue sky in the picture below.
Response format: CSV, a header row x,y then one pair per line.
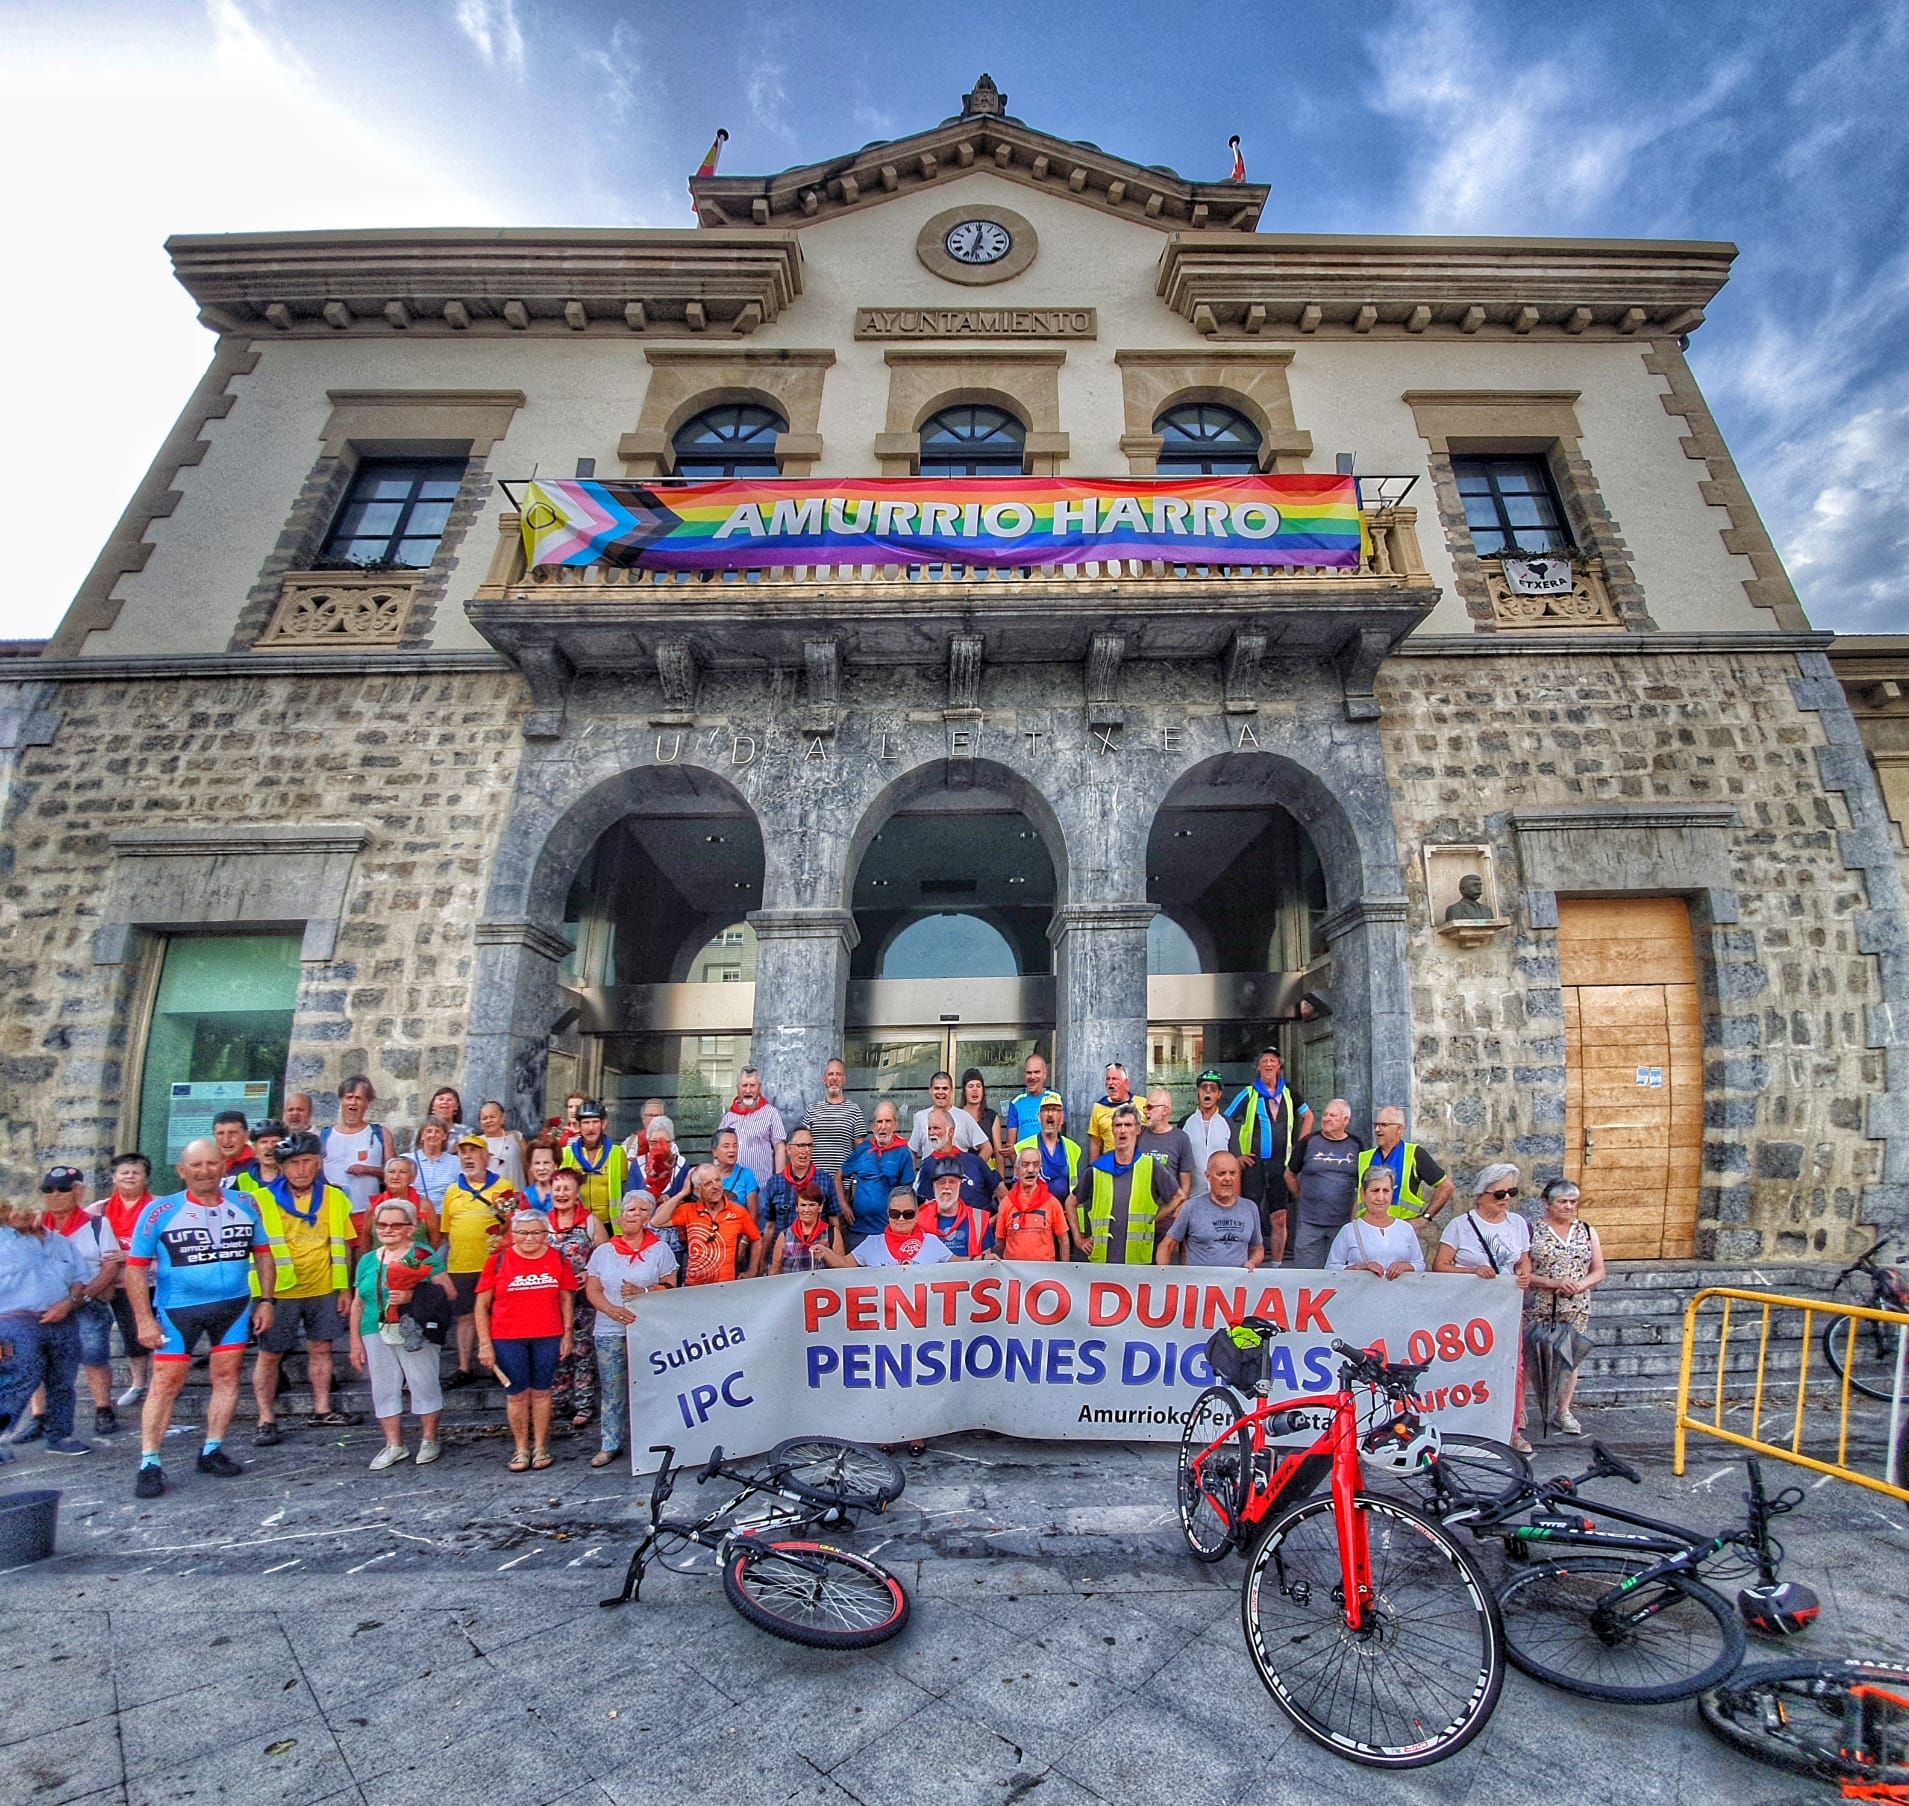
x,y
1777,126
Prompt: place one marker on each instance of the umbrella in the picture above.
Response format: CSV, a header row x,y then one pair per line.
x,y
1553,1351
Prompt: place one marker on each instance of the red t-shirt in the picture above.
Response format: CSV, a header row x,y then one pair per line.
x,y
524,1293
123,1216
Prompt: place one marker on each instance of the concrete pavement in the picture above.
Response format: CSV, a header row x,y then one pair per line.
x,y
313,1632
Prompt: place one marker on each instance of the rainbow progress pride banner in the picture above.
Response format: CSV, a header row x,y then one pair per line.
x,y
738,523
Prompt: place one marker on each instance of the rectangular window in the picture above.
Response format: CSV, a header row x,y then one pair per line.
x,y
1510,505
221,1028
396,511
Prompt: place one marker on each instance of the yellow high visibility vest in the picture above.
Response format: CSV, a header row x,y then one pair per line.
x,y
1142,1209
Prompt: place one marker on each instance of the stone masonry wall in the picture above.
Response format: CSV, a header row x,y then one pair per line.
x,y
1786,990
423,764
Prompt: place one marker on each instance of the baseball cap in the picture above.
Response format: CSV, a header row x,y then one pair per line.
x,y
473,1140
62,1178
1209,1077
300,1141
1052,1098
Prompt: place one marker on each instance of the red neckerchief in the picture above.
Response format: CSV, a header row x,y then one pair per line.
x,y
738,1108
808,1241
887,1147
80,1220
1038,1192
809,1185
408,1196
903,1247
622,1244
244,1157
583,1211
118,1211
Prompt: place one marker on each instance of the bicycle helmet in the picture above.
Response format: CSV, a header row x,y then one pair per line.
x,y
1402,1445
1778,1608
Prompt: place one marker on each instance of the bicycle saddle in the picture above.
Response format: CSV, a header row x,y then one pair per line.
x,y
1604,1462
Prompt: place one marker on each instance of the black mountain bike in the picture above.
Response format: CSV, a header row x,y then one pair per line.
x,y
1866,1350
1630,1619
774,1571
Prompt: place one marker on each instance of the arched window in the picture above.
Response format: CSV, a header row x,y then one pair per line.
x,y
1203,439
950,945
973,442
733,441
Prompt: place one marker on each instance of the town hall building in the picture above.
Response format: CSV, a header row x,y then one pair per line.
x,y
321,775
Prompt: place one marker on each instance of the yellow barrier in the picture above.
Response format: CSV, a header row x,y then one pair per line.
x,y
1816,1312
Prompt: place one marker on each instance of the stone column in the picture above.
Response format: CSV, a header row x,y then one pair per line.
x,y
1100,963
515,1002
1371,1006
801,991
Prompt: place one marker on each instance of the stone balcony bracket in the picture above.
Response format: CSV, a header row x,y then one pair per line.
x,y
343,609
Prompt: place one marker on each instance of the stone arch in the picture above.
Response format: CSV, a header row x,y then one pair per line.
x,y
974,397
1239,401
722,395
943,773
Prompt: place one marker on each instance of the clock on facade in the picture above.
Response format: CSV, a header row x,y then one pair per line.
x,y
978,241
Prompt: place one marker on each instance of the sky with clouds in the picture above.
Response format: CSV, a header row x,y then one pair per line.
x,y
1777,126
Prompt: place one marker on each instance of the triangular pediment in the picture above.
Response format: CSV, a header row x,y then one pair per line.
x,y
982,137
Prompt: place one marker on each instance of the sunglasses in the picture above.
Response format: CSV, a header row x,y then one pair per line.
x,y
901,1216
1509,1191
393,1223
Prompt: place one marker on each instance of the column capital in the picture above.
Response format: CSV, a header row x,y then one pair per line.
x,y
518,931
1362,912
1100,918
805,925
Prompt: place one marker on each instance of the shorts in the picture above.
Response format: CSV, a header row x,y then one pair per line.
x,y
94,1320
1264,1183
464,1285
299,1320
528,1363
227,1321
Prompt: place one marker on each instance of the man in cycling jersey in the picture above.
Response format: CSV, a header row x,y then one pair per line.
x,y
189,1275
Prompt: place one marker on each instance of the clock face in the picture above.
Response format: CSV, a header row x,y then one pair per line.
x,y
978,241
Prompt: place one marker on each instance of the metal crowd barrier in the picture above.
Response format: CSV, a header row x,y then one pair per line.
x,y
1778,1414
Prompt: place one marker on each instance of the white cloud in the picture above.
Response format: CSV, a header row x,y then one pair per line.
x,y
491,26
619,63
764,57
1504,142
219,128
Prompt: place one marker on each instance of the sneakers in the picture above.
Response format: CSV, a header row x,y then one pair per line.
x,y
460,1379
151,1483
428,1451
133,1395
1520,1443
388,1456
67,1445
268,1435
105,1420
220,1465
1569,1424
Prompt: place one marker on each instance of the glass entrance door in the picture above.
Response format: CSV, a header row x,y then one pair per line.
x,y
894,1065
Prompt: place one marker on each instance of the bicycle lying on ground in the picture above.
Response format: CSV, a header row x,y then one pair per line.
x,y
1633,1621
1867,1350
774,1572
1844,1721
1372,1629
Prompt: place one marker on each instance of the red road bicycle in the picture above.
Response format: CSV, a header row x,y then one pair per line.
x,y
1375,1633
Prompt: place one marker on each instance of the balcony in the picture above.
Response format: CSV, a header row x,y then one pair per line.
x,y
604,617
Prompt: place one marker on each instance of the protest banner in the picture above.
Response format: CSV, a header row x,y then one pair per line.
x,y
1094,1352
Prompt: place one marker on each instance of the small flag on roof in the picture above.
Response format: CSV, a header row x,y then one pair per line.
x,y
708,165
1239,159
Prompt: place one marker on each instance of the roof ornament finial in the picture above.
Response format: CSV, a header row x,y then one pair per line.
x,y
986,102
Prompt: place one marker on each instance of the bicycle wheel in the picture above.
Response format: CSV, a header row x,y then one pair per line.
x,y
828,1471
810,1593
1798,1715
1418,1679
1568,1623
1874,1355
1215,1455
1471,1473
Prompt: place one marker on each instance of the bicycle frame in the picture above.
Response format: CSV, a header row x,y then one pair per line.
x,y
1297,1478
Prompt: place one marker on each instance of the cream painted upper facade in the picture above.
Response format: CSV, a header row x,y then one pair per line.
x,y
583,390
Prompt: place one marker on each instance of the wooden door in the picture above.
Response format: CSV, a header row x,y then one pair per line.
x,y
1633,1040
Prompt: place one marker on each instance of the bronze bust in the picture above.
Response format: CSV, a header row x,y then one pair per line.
x,y
1470,906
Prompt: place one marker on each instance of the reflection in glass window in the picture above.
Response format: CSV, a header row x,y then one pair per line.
x,y
1170,949
973,442
735,441
221,1028
728,957
1204,439
950,946
395,512
1510,505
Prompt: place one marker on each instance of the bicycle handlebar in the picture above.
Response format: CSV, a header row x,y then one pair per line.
x,y
1364,1367
1862,1261
665,1479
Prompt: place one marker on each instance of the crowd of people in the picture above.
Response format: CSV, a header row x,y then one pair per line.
x,y
526,1255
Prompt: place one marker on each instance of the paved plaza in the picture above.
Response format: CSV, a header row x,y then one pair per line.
x,y
312,1632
